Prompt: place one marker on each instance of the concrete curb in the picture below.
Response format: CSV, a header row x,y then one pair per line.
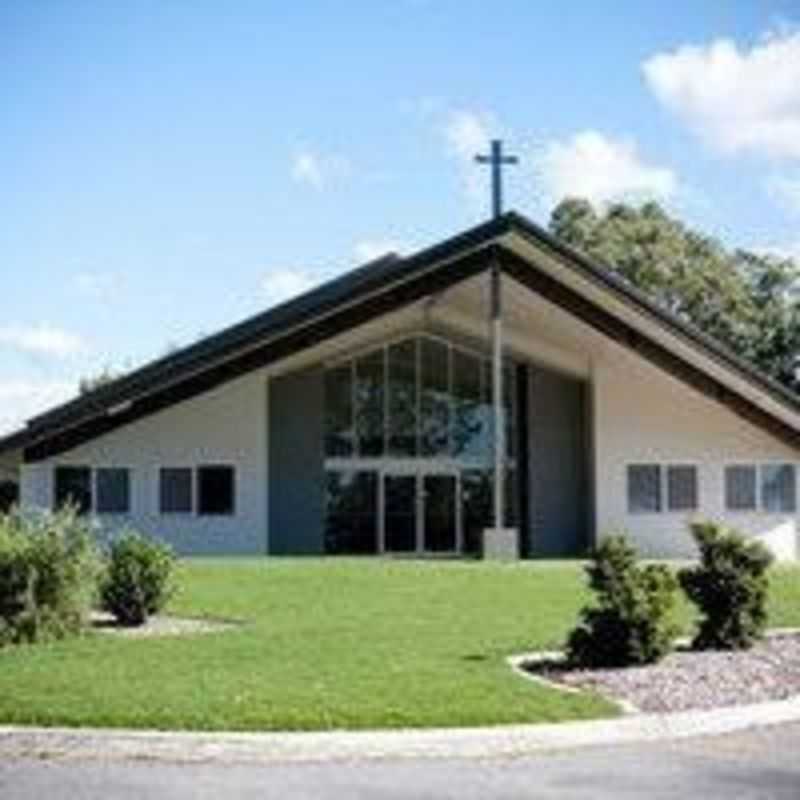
x,y
452,743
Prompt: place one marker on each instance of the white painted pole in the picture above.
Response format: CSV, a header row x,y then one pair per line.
x,y
497,395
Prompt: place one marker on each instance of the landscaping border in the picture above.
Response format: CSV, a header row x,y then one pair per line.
x,y
441,743
521,664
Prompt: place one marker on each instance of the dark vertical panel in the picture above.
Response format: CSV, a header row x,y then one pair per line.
x,y
523,459
558,462
296,466
590,474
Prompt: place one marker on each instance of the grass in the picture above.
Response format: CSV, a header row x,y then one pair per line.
x,y
328,644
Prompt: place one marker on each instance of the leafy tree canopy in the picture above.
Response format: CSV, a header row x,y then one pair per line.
x,y
745,300
88,383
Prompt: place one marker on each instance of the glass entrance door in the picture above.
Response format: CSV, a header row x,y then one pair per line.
x,y
400,504
421,513
440,513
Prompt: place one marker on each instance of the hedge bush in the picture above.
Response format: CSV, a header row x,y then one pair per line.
x,y
630,622
49,565
729,587
138,580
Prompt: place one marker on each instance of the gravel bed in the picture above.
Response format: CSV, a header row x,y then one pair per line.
x,y
688,680
160,625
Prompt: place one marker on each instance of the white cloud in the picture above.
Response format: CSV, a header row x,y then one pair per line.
x,y
468,133
22,399
737,99
306,169
283,284
599,168
370,249
96,285
318,170
784,190
41,339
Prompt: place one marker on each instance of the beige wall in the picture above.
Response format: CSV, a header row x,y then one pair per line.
x,y
225,426
644,415
640,415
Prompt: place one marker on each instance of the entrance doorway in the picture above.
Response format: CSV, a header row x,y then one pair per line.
x,y
421,512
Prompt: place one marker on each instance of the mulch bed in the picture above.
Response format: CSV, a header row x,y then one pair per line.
x,y
160,625
693,680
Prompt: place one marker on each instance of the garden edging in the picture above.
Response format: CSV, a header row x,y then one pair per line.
x,y
497,741
532,666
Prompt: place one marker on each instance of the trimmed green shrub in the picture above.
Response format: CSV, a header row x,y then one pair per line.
x,y
729,587
49,566
138,581
630,622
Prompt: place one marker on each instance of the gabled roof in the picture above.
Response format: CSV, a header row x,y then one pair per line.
x,y
364,293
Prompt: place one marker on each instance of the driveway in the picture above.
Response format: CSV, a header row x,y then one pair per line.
x,y
761,763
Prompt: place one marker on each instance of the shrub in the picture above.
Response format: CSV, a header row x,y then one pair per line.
x,y
138,581
49,566
729,587
631,620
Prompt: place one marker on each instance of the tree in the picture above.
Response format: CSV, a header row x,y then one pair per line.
x,y
89,383
744,300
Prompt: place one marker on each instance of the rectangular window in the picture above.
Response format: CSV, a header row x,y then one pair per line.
x,y
73,486
339,411
435,400
644,488
469,438
215,490
778,488
682,487
370,381
402,388
175,490
740,487
113,491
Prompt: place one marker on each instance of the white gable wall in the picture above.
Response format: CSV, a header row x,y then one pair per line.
x,y
224,426
643,415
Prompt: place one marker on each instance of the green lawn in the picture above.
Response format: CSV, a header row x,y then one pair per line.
x,y
328,644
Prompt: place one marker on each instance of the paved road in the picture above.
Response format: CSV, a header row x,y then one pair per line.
x,y
764,763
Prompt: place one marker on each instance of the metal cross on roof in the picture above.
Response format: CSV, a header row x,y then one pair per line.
x,y
498,161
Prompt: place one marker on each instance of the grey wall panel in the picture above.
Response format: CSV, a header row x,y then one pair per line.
x,y
558,463
296,468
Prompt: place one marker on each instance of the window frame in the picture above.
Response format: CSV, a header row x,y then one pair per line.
x,y
55,505
644,511
759,467
197,493
697,486
754,465
356,459
160,468
664,468
96,489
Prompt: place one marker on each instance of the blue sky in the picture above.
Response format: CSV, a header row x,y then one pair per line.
x,y
167,168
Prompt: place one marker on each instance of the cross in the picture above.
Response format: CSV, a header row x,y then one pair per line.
x,y
497,160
